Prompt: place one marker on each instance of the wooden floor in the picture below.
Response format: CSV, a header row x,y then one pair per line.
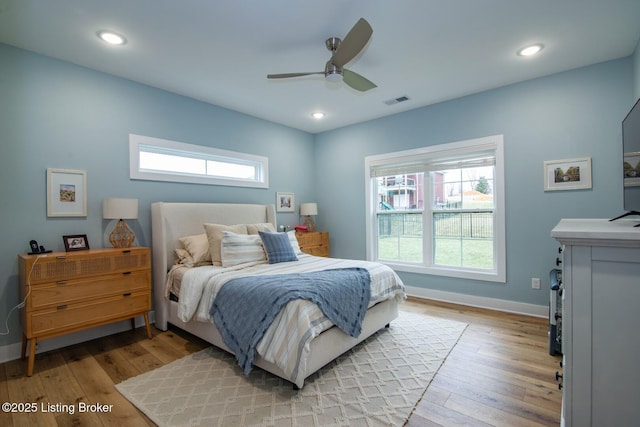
x,y
499,374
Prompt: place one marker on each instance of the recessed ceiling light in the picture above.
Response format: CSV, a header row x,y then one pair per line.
x,y
530,50
318,115
111,37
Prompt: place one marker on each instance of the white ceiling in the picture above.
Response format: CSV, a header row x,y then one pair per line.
x,y
220,51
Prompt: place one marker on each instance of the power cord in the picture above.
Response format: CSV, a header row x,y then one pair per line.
x,y
24,301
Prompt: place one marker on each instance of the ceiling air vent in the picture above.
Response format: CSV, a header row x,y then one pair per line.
x,y
396,100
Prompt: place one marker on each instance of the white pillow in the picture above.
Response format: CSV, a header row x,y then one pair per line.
x,y
294,242
214,236
240,248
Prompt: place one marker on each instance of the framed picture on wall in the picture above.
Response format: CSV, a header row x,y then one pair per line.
x,y
568,174
66,192
285,202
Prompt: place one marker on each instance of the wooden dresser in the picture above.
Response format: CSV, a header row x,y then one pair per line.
x,y
66,292
314,243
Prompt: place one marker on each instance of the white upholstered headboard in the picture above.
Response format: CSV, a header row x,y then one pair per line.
x,y
170,221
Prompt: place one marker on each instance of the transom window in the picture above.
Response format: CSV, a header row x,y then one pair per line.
x,y
163,160
439,209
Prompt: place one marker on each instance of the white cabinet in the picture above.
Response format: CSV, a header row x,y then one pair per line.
x,y
601,322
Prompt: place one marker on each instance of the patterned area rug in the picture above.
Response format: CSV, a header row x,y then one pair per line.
x,y
378,383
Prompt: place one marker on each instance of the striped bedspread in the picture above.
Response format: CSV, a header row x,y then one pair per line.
x,y
286,342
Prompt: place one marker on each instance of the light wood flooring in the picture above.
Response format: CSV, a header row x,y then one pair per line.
x,y
499,374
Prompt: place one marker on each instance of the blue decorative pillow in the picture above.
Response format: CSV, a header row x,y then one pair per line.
x,y
278,247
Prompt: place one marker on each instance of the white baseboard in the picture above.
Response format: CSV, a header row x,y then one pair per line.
x,y
482,302
12,351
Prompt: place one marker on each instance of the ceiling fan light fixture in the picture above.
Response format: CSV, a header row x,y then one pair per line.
x,y
334,77
332,72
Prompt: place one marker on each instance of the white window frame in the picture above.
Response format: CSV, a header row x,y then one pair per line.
x,y
447,151
139,143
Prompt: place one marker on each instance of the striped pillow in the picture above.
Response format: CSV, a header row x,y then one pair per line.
x,y
214,237
240,248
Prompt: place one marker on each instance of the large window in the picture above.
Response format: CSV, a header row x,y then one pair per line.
x,y
439,209
163,160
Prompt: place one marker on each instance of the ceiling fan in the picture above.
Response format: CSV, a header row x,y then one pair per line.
x,y
342,51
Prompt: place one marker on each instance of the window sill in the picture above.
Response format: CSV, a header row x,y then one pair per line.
x,y
446,272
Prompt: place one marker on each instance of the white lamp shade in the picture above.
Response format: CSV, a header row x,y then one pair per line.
x,y
120,208
308,209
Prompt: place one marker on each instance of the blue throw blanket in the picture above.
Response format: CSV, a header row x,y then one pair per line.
x,y
244,307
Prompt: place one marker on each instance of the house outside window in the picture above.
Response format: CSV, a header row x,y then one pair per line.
x,y
439,209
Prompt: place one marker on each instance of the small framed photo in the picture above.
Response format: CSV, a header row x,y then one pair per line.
x,y
77,242
285,202
66,192
568,174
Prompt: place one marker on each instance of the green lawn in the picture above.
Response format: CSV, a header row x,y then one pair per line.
x,y
473,253
464,239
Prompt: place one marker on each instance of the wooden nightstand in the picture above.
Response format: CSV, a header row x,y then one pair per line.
x,y
314,243
69,291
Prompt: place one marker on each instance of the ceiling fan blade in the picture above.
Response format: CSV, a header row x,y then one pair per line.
x,y
353,43
287,75
356,81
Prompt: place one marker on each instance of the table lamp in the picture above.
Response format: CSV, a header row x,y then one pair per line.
x,y
309,209
120,209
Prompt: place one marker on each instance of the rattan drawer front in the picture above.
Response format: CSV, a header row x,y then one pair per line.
x,y
78,316
61,266
70,291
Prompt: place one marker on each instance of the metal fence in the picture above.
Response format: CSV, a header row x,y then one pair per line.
x,y
467,225
400,224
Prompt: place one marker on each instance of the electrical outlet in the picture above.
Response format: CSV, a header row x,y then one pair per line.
x,y
535,283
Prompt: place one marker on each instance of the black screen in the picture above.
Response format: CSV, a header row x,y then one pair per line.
x,y
631,150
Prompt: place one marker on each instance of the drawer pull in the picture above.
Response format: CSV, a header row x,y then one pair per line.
x,y
128,294
61,307
61,257
62,282
126,273
126,251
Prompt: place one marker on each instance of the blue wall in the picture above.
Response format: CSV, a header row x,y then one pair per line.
x,y
55,114
567,115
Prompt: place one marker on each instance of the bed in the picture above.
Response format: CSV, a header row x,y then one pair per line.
x,y
171,222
